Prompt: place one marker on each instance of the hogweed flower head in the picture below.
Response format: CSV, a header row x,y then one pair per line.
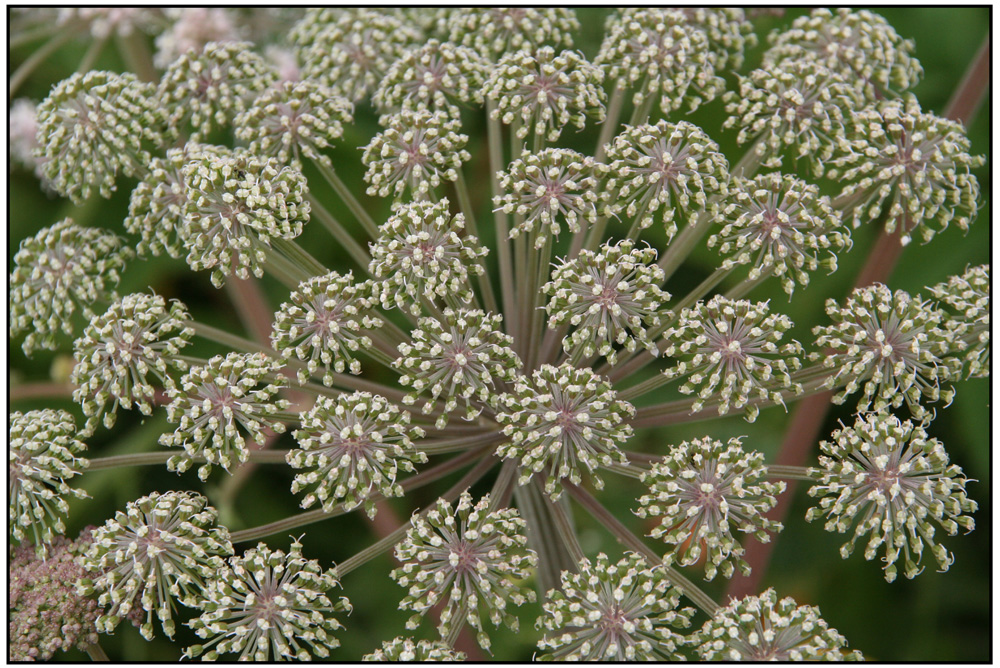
x,y
464,356
191,29
136,341
63,269
891,346
731,350
560,420
355,446
420,254
549,188
405,650
294,119
417,151
670,167
235,203
705,490
613,612
94,126
762,628
163,548
887,478
435,76
914,166
610,297
543,92
44,453
212,402
499,30
778,224
967,298
324,322
471,559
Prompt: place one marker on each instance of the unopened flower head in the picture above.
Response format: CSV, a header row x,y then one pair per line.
x,y
762,628
47,615
63,269
417,151
406,650
912,166
94,126
891,346
191,29
888,480
207,88
162,549
44,454
325,323
705,491
471,558
212,403
541,92
548,189
667,167
124,350
499,30
462,357
421,254
354,447
779,225
235,204
966,299
613,612
294,119
268,606
730,353
800,106
670,58
861,45
611,297
561,420
436,76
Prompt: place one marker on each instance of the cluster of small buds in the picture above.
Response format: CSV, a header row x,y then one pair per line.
x,y
861,45
731,350
465,356
62,269
44,453
705,491
542,92
762,628
163,548
269,606
355,446
46,613
211,402
470,559
235,204
94,126
778,224
434,76
799,105
892,346
895,483
553,187
417,151
137,340
499,30
324,322
405,650
912,165
191,29
294,119
421,255
561,420
610,297
665,54
613,612
967,298
669,167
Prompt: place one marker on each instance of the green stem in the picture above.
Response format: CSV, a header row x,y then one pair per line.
x,y
610,121
252,308
287,272
135,52
348,198
640,114
457,624
748,284
161,457
465,204
93,51
789,472
231,340
645,387
353,248
300,256
36,58
96,652
507,285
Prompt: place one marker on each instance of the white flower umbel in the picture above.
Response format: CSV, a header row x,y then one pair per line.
x,y
436,76
966,299
499,30
406,650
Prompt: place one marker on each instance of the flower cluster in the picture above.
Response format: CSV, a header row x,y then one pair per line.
x,y
966,299
435,76
405,650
